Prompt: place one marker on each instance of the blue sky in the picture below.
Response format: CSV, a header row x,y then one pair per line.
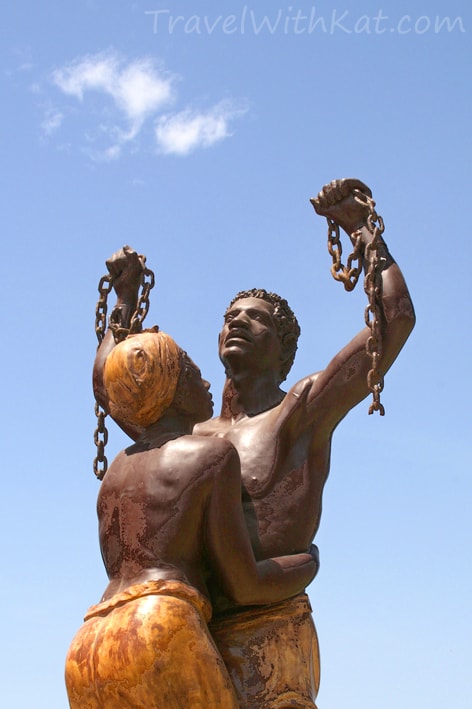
x,y
197,133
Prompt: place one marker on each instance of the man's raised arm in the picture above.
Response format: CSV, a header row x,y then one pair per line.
x,y
343,383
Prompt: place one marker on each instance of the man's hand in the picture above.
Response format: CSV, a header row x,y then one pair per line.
x,y
126,267
337,201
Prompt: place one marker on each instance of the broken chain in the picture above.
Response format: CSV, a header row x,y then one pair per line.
x,y
100,436
349,276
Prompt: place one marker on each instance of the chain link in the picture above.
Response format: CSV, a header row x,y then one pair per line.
x,y
104,287
349,276
142,308
120,332
100,437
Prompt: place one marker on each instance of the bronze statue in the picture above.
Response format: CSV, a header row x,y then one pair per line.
x,y
284,439
169,511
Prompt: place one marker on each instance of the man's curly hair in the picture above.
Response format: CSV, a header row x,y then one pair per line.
x,y
285,322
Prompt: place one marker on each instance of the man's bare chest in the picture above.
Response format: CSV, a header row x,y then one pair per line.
x,y
266,455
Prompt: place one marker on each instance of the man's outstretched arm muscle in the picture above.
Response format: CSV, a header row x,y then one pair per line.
x,y
343,384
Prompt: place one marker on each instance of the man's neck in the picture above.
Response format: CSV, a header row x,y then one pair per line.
x,y
250,396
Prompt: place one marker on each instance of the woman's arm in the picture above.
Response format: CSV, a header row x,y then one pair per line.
x,y
244,580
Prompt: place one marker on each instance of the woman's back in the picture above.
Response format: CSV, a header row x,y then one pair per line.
x,y
151,509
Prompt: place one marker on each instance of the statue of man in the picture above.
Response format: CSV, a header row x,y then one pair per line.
x,y
284,444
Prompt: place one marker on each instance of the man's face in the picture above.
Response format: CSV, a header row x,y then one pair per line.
x,y
249,336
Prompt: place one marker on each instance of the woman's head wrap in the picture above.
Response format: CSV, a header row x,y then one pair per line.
x,y
140,377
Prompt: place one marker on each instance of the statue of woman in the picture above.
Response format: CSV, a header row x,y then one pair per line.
x,y
169,511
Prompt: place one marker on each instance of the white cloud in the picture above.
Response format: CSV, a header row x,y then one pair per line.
x,y
107,155
140,91
93,72
52,121
183,132
127,94
138,88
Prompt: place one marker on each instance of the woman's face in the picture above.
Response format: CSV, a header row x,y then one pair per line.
x,y
194,398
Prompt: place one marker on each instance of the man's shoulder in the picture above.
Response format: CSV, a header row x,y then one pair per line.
x,y
292,413
303,386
